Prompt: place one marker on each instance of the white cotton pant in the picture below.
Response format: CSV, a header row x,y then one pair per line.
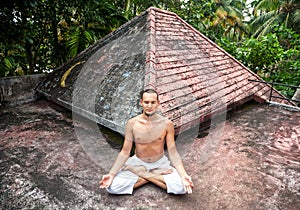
x,y
124,181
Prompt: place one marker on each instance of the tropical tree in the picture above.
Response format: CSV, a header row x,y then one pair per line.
x,y
229,14
200,14
23,33
275,56
287,69
39,35
87,22
271,12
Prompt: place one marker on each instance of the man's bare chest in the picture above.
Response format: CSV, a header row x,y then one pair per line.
x,y
145,131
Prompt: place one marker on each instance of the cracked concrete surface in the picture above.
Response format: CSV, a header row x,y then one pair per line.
x,y
255,164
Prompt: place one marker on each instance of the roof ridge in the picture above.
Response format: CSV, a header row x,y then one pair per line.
x,y
150,67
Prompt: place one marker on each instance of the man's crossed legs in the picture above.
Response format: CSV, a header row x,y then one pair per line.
x,y
154,175
136,173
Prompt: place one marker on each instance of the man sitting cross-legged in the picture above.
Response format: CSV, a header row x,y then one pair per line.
x,y
149,131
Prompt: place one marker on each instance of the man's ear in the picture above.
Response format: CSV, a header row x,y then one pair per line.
x,y
141,101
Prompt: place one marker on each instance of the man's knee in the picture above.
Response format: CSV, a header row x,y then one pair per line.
x,y
174,183
123,183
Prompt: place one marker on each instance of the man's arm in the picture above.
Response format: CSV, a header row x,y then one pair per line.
x,y
176,159
119,163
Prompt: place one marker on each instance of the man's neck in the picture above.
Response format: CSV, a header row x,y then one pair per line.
x,y
149,116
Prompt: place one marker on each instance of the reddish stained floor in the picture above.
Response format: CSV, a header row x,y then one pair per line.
x,y
255,164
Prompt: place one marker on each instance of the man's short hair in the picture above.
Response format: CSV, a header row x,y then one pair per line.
x,y
148,91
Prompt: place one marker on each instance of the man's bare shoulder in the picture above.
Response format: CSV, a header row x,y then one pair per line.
x,y
135,118
169,123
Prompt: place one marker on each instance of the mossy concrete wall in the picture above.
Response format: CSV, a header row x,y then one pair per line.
x,y
18,90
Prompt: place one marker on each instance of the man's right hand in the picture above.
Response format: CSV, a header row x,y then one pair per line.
x,y
106,181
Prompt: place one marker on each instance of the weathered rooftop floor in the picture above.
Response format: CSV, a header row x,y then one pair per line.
x,y
255,164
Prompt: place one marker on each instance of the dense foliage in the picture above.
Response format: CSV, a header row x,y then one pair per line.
x,y
275,56
39,35
36,36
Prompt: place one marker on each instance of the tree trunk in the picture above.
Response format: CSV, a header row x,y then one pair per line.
x,y
127,8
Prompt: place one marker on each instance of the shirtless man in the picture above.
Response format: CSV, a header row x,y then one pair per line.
x,y
149,131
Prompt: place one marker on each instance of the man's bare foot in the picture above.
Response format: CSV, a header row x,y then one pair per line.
x,y
140,182
146,176
162,171
135,169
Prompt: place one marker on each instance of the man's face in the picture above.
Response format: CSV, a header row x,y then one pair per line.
x,y
149,103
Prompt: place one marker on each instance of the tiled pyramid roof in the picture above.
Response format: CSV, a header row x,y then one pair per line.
x,y
157,49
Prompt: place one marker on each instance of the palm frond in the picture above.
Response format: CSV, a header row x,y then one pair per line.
x,y
260,20
221,13
265,27
7,65
267,5
296,17
287,19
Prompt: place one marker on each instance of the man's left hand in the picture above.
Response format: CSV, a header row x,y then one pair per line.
x,y
188,183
